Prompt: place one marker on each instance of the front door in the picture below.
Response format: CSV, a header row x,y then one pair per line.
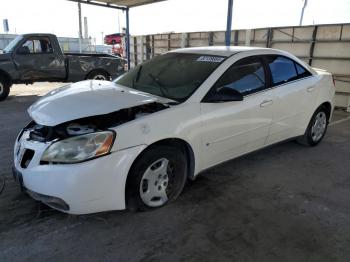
x,y
234,128
36,60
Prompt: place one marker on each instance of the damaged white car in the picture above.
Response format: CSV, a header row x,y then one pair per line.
x,y
95,145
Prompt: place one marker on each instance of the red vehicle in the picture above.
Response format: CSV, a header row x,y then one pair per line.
x,y
113,39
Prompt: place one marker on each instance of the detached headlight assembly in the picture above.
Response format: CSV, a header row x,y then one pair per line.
x,y
79,148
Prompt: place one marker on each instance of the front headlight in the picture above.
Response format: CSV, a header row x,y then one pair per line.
x,y
79,148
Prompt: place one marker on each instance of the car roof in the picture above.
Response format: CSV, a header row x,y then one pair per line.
x,y
38,34
217,50
227,51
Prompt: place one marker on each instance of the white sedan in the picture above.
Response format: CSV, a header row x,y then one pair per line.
x,y
132,143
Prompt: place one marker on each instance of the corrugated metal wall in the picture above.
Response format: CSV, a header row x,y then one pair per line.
x,y
322,46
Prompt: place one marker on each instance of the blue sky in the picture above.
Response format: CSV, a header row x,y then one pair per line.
x,y
60,16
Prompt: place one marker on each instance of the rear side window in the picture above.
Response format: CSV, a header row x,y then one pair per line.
x,y
302,72
284,70
246,76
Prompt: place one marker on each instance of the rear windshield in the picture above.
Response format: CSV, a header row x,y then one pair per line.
x,y
173,75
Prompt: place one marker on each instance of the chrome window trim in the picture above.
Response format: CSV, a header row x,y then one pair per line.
x,y
274,87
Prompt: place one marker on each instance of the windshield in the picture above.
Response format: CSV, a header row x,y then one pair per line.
x,y
174,75
12,44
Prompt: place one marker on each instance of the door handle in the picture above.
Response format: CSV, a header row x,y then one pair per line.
x,y
310,89
266,103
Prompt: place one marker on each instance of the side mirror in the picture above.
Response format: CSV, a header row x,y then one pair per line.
x,y
224,94
23,50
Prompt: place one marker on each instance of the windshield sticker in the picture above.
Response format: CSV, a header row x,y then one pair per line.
x,y
210,59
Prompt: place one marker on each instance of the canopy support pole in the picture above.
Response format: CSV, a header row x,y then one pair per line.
x,y
80,27
229,23
127,37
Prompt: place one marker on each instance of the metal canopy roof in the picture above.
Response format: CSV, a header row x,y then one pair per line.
x,y
121,5
126,4
118,4
129,3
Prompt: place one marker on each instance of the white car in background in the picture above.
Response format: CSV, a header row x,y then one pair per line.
x,y
95,145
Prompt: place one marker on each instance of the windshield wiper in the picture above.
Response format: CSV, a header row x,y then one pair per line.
x,y
159,84
173,103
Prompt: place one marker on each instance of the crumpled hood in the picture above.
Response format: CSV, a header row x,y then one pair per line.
x,y
84,99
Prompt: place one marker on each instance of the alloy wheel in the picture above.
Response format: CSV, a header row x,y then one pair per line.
x,y
319,126
99,77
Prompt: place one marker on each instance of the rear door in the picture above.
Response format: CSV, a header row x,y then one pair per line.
x,y
233,128
36,60
295,94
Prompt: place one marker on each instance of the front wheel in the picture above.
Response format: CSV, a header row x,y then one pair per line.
x,y
316,129
99,75
4,89
156,178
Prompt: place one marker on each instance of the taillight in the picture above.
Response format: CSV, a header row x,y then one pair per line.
x,y
333,80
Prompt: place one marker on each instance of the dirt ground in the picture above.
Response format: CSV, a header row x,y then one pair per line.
x,y
283,203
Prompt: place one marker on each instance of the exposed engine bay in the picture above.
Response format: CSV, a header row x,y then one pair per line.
x,y
91,124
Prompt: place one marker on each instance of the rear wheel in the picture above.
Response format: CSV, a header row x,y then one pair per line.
x,y
156,178
99,75
316,129
4,88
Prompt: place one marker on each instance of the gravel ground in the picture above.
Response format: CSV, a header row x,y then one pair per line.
x,y
283,203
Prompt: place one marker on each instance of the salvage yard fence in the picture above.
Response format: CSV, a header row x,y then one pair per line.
x,y
321,46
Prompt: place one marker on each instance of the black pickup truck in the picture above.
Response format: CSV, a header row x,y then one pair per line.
x,y
33,58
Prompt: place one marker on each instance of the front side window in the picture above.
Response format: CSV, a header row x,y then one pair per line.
x,y
29,45
284,70
35,46
245,76
174,75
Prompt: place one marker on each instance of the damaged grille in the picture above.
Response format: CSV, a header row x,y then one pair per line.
x,y
27,157
41,133
44,134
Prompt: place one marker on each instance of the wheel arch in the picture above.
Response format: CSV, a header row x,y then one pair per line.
x,y
174,142
328,106
303,139
5,75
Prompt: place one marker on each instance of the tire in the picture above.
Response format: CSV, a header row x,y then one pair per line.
x,y
152,181
99,75
4,88
315,130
